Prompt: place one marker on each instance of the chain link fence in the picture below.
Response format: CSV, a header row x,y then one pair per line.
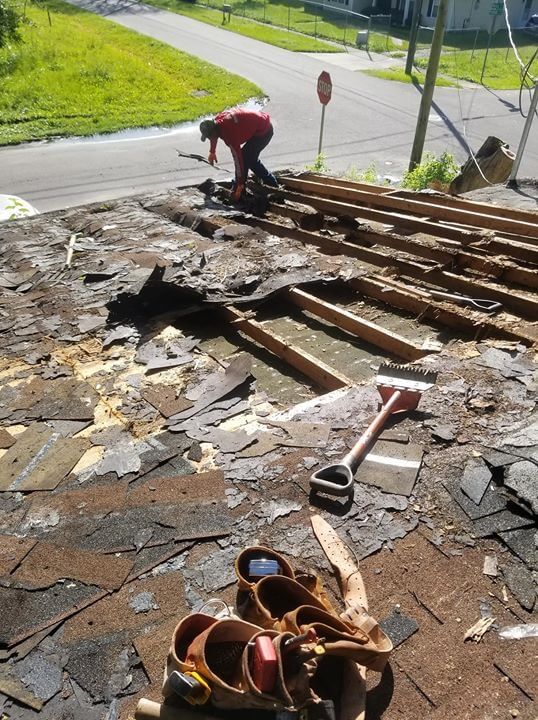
x,y
317,19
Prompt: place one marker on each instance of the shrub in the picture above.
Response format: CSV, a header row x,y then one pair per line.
x,y
369,175
432,172
9,23
319,164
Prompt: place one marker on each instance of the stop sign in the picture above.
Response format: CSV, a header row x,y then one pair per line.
x,y
325,87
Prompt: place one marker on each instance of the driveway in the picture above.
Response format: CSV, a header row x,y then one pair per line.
x,y
368,120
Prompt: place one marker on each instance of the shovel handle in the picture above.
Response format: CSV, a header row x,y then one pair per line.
x,y
357,452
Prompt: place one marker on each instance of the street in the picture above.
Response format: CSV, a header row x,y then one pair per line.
x,y
368,120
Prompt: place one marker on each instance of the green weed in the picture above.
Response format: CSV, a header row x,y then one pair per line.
x,y
432,172
319,165
368,175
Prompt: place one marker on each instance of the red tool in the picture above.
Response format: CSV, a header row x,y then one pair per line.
x,y
264,664
400,387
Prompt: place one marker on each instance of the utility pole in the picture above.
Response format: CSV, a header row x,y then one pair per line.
x,y
512,180
413,35
429,85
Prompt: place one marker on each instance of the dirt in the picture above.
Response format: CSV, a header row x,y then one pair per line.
x,y
524,195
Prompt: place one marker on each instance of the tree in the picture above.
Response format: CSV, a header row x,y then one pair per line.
x,y
9,23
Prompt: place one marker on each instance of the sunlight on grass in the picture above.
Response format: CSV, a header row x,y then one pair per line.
x,y
398,74
84,75
263,31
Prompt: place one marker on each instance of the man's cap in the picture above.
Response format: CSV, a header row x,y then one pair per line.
x,y
207,128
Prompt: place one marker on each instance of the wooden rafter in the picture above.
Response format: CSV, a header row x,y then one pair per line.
x,y
447,213
370,332
318,371
525,305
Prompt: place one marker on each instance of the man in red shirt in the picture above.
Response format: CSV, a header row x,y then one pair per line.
x,y
247,133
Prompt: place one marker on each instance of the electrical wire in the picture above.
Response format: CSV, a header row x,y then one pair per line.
x,y
463,124
527,86
520,61
525,72
525,69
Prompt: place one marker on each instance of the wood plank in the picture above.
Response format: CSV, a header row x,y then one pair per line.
x,y
397,294
505,272
342,182
405,222
366,330
450,235
516,302
416,207
320,373
463,203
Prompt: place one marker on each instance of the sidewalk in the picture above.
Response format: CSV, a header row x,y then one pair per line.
x,y
356,59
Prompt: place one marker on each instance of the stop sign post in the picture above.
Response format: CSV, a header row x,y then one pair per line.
x,y
324,88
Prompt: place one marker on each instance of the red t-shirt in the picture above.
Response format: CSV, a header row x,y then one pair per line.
x,y
237,126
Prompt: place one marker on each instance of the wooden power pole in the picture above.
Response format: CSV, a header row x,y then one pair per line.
x,y
413,35
429,85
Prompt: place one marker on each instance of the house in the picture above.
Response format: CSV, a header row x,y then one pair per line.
x,y
462,14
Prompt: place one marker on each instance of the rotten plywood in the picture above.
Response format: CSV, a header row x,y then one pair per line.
x,y
39,460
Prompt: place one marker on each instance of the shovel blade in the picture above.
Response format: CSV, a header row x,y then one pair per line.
x,y
405,377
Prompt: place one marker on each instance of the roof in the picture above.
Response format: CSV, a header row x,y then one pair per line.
x,y
173,370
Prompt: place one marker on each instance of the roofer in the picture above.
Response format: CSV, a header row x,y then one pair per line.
x,y
247,133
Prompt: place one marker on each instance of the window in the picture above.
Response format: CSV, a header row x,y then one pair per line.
x,y
433,7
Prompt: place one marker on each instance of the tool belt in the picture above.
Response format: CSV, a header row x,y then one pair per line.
x,y
286,651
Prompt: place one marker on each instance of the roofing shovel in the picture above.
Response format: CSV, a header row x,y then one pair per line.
x,y
400,388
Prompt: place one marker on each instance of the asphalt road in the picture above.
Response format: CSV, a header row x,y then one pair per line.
x,y
368,120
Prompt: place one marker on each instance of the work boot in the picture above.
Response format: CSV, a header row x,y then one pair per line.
x,y
271,181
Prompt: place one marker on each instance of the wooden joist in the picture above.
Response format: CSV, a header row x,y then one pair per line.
x,y
320,373
451,259
405,222
413,300
525,305
370,332
387,201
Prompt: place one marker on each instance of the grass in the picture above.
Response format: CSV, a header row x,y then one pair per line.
x,y
265,32
398,74
292,25
82,75
462,60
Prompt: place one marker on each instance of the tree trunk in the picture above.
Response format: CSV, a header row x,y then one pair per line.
x,y
495,162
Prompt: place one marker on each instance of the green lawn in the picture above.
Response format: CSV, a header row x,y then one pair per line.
x,y
502,70
398,74
464,52
82,74
292,25
241,25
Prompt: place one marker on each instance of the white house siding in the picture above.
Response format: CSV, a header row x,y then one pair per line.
x,y
476,13
470,14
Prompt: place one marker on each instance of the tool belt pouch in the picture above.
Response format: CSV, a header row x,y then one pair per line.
x,y
274,596
369,647
218,656
295,670
183,636
246,580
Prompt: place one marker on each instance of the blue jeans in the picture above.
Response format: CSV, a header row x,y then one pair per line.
x,y
251,160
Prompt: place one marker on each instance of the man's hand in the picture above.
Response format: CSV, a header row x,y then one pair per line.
x,y
238,192
212,158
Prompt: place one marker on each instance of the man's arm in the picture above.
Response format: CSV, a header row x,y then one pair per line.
x,y
212,157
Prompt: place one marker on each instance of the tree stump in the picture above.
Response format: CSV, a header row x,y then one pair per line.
x,y
491,165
